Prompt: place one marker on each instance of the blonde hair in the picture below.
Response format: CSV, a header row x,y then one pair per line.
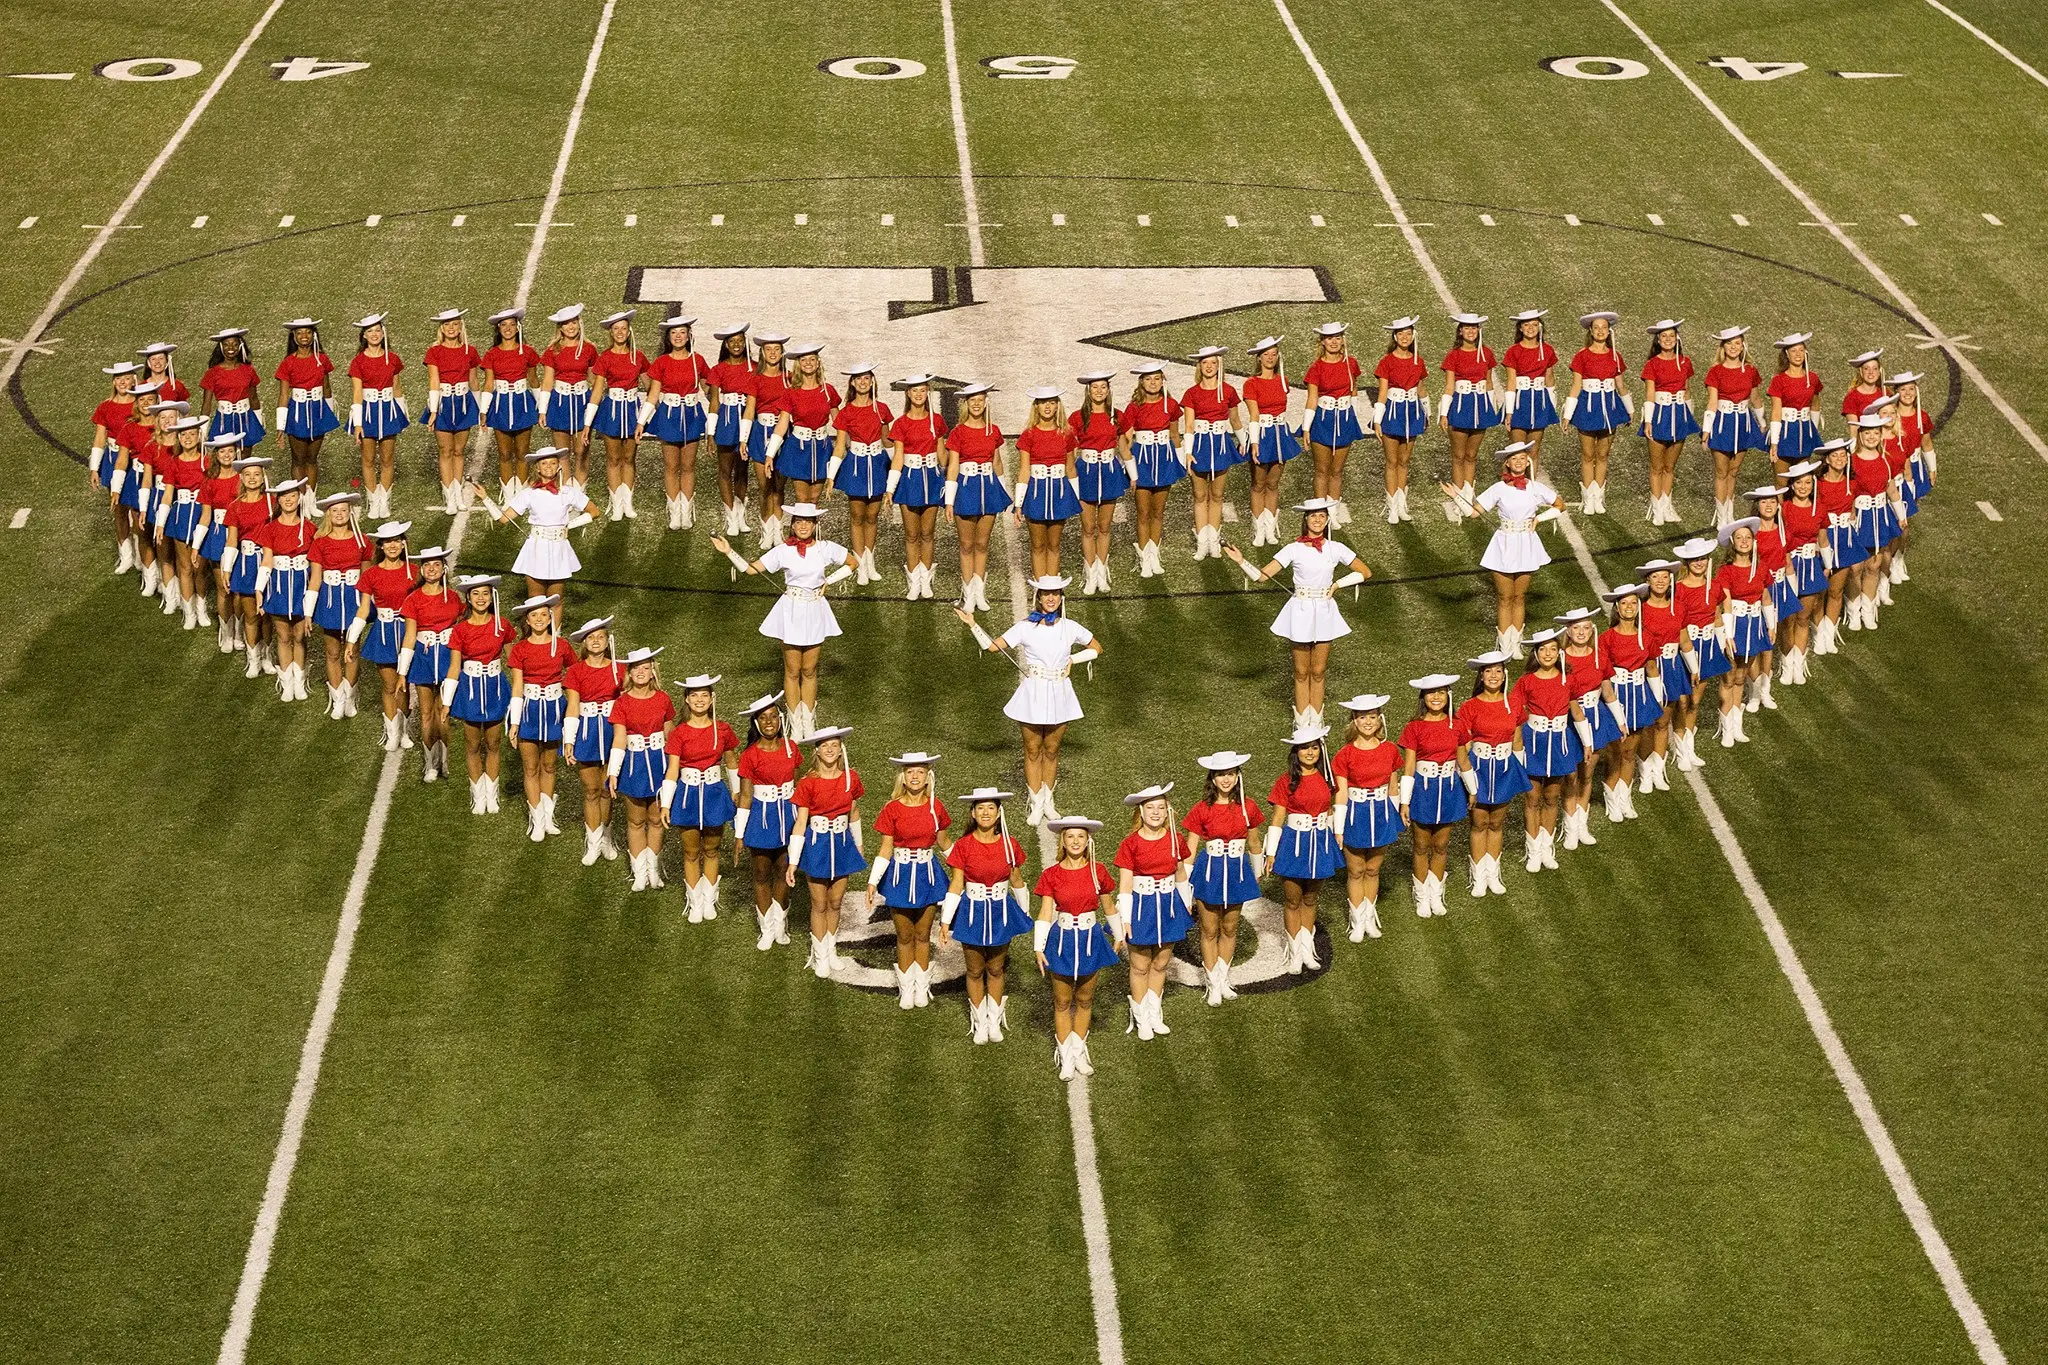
x,y
902,789
1357,730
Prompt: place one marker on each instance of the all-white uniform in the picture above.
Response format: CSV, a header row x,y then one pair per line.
x,y
1515,547
1311,616
547,555
1045,694
801,616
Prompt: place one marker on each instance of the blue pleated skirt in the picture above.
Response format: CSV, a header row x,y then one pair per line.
x,y
513,411
247,425
1713,658
382,640
862,476
1501,780
1670,423
982,495
1553,753
1731,433
1404,419
618,414
540,720
914,886
1224,879
184,519
725,431
565,411
285,597
802,460
213,545
1371,824
1437,800
769,824
481,699
1073,953
1214,452
1532,409
242,573
640,775
920,488
1049,500
1473,411
1751,636
1677,677
1102,480
336,606
1796,440
1784,597
1599,412
828,857
705,805
677,424
757,438
1845,547
594,741
430,664
990,923
1809,576
1158,918
310,419
1639,703
1308,855
1335,427
1606,730
1159,464
384,419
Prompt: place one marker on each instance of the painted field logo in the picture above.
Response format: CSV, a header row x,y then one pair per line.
x,y
1013,327
1010,326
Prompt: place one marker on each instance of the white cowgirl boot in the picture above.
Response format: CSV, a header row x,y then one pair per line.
x,y
491,797
1157,1009
1213,978
1763,693
1726,729
1662,777
1309,960
1898,569
1354,921
998,1018
771,532
1493,874
1421,894
977,1019
764,929
1532,856
1611,802
639,865
224,636
333,702
389,743
1741,727
1884,589
1628,802
687,504
1340,515
693,901
821,957
1788,668
1550,850
1062,1055
626,501
1476,879
348,699
476,796
547,814
593,846
675,513
1724,512
533,828
1646,779
1586,838
735,518
1140,1020
149,579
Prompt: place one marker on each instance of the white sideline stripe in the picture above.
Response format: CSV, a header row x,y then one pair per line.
x,y
1990,512
975,254
1865,1109
21,518
2000,48
141,187
1862,258
1851,1081
234,1346
1109,1332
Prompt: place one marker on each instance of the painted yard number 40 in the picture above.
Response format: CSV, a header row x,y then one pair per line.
x,y
1625,69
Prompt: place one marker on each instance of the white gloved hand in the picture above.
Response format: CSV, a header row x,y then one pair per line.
x,y
308,600
448,689
1470,777
355,417
948,908
515,712
1584,729
262,580
668,792
1614,708
355,631
832,468
571,724
889,484
404,662
1041,933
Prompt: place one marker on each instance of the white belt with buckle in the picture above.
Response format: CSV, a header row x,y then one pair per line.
x,y
974,469
1150,886
1075,924
700,777
642,743
1548,725
1596,385
433,639
1224,848
376,395
591,710
1378,793
1492,753
288,563
920,461
1211,428
308,395
509,386
1425,768
1298,821
541,691
335,578
489,669
1332,404
828,824
807,433
1399,396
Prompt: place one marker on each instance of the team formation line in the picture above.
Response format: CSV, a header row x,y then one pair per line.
x,y
1608,694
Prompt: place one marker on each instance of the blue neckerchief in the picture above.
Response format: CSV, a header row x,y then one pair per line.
x,y
1043,618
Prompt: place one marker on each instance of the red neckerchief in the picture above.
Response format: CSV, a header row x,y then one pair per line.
x,y
1515,480
546,486
800,546
1313,542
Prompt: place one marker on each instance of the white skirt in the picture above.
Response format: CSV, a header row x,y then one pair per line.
x,y
1514,552
1310,621
801,622
1044,701
546,560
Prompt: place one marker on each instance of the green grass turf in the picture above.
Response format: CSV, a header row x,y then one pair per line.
x,y
1586,1121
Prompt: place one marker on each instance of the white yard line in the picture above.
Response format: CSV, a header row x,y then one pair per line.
x,y
119,217
1812,206
975,254
1860,1102
1109,1331
2000,48
234,1345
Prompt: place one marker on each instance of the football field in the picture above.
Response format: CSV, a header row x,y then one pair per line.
x,y
303,1062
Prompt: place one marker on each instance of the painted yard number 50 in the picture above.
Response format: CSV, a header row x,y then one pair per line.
x,y
903,68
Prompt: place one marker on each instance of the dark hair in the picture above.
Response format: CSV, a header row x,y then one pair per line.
x,y
689,342
725,347
1479,676
754,735
1413,347
363,341
1210,793
1295,772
